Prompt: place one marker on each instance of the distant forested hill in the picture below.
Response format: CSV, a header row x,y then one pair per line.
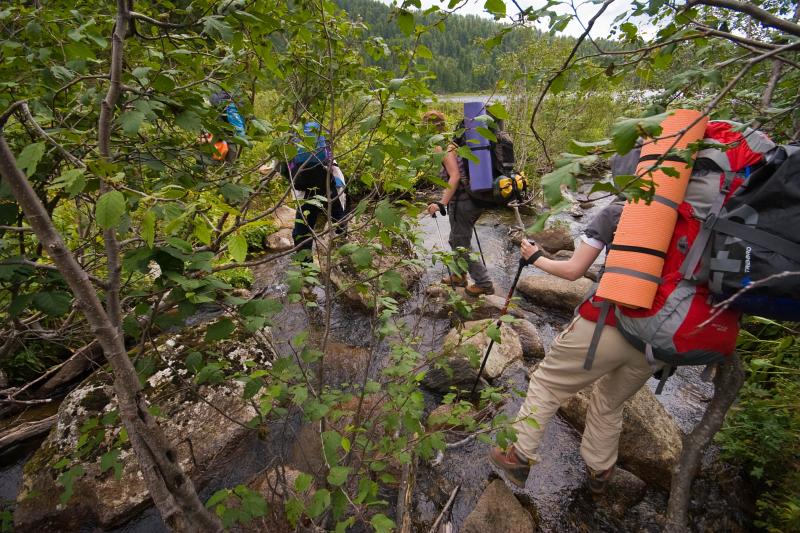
x,y
460,61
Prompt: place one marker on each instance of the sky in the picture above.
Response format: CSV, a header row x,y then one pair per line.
x,y
586,9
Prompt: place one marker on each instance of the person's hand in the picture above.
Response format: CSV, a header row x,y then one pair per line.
x,y
527,249
433,209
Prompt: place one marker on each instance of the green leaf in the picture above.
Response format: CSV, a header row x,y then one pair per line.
x,y
149,228
190,121
237,247
109,460
319,502
193,361
72,180
109,209
551,183
362,257
131,121
493,332
29,158
466,153
496,8
338,475
220,330
405,21
424,52
382,523
387,215
498,110
559,82
303,482
54,303
487,133
216,25
252,387
67,480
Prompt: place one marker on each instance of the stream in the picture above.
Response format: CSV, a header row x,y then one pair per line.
x,y
556,489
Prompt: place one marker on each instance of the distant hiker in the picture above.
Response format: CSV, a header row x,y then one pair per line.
x,y
225,151
463,212
308,172
618,347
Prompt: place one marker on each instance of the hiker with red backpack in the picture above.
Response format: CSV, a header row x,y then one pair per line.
x,y
724,239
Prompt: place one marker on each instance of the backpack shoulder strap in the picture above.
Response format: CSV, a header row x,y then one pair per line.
x,y
695,253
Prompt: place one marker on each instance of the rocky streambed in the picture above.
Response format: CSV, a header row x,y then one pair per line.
x,y
221,451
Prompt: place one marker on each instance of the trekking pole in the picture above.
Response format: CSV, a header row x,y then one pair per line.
x,y
475,231
522,264
441,243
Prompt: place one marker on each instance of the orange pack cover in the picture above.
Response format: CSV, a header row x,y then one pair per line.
x,y
636,256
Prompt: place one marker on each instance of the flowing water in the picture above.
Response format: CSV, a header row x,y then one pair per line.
x,y
556,485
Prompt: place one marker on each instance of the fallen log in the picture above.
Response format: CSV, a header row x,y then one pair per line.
x,y
25,431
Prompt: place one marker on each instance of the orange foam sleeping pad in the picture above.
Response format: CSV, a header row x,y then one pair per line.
x,y
635,259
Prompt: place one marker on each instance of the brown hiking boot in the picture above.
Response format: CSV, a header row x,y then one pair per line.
x,y
455,280
477,290
598,481
515,467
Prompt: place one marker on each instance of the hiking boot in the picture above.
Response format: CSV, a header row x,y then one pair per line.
x,y
477,290
455,280
512,464
598,481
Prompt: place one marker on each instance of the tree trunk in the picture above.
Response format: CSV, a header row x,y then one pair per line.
x,y
727,382
172,492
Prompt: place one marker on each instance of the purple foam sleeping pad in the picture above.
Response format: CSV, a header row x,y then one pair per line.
x,y
480,174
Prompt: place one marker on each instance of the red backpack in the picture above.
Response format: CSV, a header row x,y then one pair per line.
x,y
683,327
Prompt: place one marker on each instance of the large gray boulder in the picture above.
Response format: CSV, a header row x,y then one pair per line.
x,y
554,292
498,511
650,443
202,432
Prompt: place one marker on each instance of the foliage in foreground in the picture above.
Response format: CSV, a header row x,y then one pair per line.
x,y
763,430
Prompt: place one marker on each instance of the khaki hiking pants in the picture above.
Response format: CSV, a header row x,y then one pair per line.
x,y
620,371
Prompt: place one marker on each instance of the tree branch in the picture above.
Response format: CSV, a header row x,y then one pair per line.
x,y
752,10
727,382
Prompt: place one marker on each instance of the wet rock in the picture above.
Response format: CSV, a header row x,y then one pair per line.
x,y
530,339
399,264
449,416
650,443
458,373
554,239
586,205
345,363
623,492
554,292
498,510
593,273
464,350
474,340
199,432
281,240
285,217
482,308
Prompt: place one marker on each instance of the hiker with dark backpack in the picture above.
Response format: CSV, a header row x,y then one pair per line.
x,y
619,347
464,205
316,174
